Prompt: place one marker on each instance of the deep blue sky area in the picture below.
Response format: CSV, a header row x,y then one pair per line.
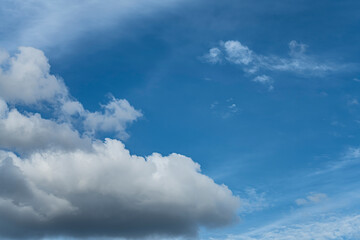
x,y
288,146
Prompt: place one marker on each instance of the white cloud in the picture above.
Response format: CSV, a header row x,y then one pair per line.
x,y
42,23
265,80
118,113
30,132
55,180
214,56
116,116
238,53
25,78
102,186
297,62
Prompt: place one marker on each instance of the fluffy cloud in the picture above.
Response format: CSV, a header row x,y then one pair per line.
x,y
109,192
27,133
25,78
117,114
56,180
238,53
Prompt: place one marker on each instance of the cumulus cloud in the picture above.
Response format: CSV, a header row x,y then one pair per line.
x,y
109,192
58,179
115,117
117,114
24,133
25,78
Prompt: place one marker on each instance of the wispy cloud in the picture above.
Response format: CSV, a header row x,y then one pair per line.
x,y
312,198
251,201
326,220
332,228
349,158
41,23
265,80
225,109
297,61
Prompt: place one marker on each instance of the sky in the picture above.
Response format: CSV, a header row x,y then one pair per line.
x,y
179,119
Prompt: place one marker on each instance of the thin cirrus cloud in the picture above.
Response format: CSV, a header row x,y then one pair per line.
x,y
225,109
337,227
253,201
56,180
50,23
298,61
350,158
311,198
325,221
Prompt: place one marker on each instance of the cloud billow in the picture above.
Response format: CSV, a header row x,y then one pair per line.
x,y
56,180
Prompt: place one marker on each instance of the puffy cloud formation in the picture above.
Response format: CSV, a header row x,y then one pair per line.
x,y
108,192
238,53
117,114
59,181
25,78
26,133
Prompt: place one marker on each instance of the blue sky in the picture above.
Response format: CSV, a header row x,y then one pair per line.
x,y
263,95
